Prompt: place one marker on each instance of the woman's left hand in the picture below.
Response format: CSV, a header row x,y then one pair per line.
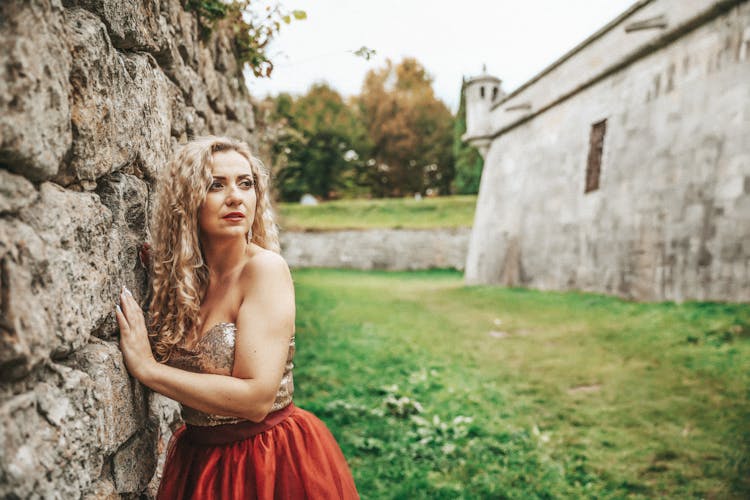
x,y
134,344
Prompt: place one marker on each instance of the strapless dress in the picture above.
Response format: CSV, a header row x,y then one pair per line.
x,y
291,454
214,353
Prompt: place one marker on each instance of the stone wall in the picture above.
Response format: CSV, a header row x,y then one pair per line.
x,y
390,249
671,217
94,96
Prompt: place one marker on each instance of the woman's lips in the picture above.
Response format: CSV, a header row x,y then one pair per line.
x,y
234,216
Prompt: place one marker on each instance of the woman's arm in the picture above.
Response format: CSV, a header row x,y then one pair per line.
x,y
265,324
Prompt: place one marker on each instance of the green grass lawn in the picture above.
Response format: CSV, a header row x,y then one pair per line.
x,y
407,213
437,390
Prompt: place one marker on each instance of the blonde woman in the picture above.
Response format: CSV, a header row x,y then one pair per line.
x,y
221,324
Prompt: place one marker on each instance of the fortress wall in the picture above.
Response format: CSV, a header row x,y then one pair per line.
x,y
94,96
671,217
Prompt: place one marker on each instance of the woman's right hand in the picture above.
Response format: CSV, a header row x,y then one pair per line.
x,y
134,343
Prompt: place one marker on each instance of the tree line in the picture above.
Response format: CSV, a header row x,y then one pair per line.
x,y
395,138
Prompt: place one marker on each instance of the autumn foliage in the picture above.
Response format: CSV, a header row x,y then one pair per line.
x,y
410,131
393,139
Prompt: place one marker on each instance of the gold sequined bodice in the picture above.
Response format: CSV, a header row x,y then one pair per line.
x,y
214,353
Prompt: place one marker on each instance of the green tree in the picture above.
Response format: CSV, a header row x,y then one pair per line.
x,y
409,129
469,162
320,148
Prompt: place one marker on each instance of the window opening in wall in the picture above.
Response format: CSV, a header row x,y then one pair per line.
x,y
596,146
481,92
494,93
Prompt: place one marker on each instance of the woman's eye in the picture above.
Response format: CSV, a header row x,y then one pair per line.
x,y
215,185
247,184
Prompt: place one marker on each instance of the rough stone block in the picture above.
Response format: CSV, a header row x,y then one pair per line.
x,y
165,417
135,463
35,130
57,266
189,82
127,197
212,80
177,110
147,109
57,436
101,490
195,123
118,402
48,447
99,79
15,192
195,90
19,460
241,110
239,131
217,123
113,95
222,51
183,30
131,25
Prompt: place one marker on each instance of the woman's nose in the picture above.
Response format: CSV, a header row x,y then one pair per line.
x,y
233,196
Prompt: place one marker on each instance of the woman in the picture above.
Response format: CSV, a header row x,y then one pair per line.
x,y
222,328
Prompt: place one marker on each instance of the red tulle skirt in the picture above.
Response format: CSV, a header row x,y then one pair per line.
x,y
290,455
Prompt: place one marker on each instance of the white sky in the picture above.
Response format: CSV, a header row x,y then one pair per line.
x,y
515,39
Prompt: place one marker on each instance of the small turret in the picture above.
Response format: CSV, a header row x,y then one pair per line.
x,y
481,92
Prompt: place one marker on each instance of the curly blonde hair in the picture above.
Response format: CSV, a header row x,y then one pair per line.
x,y
179,271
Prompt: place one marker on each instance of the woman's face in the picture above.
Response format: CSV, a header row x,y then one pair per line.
x,y
229,209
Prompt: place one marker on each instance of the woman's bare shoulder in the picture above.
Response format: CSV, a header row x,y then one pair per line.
x,y
264,259
264,267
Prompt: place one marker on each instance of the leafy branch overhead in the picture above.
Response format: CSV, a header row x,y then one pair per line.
x,y
253,27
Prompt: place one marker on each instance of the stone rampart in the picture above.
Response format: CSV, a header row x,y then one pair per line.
x,y
670,219
94,95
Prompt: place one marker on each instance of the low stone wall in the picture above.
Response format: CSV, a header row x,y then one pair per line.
x,y
390,249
